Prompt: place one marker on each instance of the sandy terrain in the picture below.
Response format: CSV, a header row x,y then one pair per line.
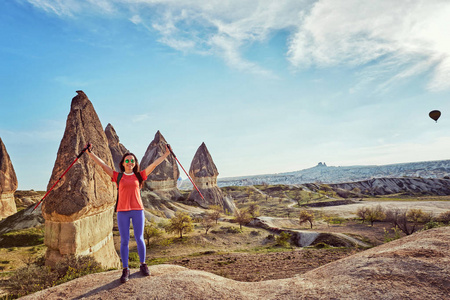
x,y
348,211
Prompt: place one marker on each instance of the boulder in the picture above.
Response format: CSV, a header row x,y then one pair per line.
x,y
204,173
117,149
163,180
78,212
8,184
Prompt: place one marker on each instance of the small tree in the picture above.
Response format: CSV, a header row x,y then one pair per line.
x,y
242,217
151,231
180,223
375,213
362,213
207,223
306,216
216,212
356,191
297,195
255,196
417,216
253,209
444,217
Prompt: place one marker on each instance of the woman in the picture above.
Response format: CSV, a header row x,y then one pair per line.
x,y
129,206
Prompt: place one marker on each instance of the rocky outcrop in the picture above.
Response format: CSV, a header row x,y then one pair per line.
x,y
24,219
161,184
305,238
386,186
329,174
78,212
117,149
204,173
8,184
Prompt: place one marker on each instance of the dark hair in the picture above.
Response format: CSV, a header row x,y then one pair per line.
x,y
136,165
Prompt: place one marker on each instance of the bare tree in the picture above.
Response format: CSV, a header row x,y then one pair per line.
x,y
375,213
242,217
445,217
362,213
297,195
407,220
216,212
207,223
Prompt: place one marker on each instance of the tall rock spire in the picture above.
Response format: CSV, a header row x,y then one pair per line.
x,y
204,173
163,180
117,149
78,212
8,184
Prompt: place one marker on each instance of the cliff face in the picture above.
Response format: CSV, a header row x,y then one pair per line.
x,y
386,186
8,184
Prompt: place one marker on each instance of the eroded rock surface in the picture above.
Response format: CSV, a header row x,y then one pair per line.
x,y
117,149
204,173
161,184
78,212
8,184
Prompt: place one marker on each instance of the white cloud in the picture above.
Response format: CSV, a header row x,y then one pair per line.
x,y
140,118
385,40
402,37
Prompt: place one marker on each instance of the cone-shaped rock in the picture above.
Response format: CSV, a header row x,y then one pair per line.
x,y
8,184
117,149
204,173
161,184
78,212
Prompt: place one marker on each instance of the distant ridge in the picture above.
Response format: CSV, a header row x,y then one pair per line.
x,y
322,173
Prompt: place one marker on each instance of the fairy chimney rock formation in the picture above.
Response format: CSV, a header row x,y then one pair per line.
x,y
117,149
8,184
204,173
163,179
78,212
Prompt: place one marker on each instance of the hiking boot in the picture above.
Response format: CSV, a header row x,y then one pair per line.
x,y
144,270
125,275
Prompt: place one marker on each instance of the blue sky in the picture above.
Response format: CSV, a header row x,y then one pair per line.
x,y
269,86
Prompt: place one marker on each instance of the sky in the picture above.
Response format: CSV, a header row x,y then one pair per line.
x,y
268,86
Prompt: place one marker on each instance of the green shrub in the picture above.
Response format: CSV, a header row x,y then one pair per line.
x,y
431,224
22,238
322,245
387,238
233,230
283,239
36,276
133,257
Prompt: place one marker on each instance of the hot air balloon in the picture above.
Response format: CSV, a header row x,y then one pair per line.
x,y
435,114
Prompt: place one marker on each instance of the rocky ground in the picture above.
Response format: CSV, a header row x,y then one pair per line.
x,y
264,266
413,267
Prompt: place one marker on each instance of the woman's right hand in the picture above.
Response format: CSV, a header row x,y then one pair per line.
x,y
88,147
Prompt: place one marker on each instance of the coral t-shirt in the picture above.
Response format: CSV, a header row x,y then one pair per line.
x,y
129,191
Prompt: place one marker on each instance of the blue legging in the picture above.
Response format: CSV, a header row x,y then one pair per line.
x,y
123,220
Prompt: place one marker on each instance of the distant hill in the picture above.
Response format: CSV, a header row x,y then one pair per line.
x,y
326,174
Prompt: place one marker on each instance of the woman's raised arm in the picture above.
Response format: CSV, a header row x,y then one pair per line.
x,y
100,162
154,164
